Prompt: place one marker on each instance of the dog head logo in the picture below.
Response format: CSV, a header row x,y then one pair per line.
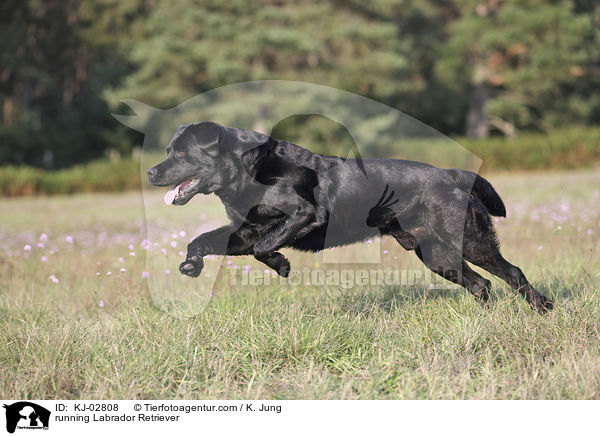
x,y
26,415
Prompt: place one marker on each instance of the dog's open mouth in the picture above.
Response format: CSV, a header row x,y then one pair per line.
x,y
180,194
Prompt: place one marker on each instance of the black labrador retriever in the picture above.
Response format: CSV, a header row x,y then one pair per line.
x,y
278,194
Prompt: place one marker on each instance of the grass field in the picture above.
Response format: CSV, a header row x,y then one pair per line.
x,y
70,330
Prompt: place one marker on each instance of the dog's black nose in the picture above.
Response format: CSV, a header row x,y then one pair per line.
x,y
152,173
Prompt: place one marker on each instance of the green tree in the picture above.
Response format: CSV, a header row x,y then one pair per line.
x,y
56,57
517,61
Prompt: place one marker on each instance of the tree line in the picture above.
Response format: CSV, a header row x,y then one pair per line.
x,y
465,67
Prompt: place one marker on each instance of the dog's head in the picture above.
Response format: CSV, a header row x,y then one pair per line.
x,y
192,165
207,157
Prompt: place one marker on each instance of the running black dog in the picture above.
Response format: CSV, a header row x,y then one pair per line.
x,y
278,194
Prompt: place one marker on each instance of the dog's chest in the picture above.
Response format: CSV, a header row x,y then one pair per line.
x,y
260,204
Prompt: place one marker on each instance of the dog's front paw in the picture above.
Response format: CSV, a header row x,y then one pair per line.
x,y
192,266
284,268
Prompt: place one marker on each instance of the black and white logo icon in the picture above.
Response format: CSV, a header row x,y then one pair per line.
x,y
26,415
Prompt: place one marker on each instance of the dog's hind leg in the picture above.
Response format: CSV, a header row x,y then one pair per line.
x,y
440,258
480,247
405,239
491,260
384,218
476,284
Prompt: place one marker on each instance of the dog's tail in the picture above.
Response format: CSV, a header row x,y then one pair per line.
x,y
468,180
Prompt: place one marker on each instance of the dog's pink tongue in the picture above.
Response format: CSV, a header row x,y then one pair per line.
x,y
171,194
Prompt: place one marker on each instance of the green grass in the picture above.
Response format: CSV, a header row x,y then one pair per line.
x,y
297,342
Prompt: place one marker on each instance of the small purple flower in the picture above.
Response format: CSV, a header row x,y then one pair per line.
x,y
108,273
98,273
246,267
590,231
101,303
540,248
122,270
40,245
182,234
163,250
27,247
53,278
121,260
173,244
69,239
130,246
132,253
44,259
43,237
370,241
145,274
167,271
385,252
181,253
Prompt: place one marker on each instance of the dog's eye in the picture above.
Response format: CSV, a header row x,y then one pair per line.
x,y
180,153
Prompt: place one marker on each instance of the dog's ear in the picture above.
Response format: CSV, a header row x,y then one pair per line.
x,y
253,157
208,136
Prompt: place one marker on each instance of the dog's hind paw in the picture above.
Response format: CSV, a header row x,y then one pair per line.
x,y
546,306
192,266
542,304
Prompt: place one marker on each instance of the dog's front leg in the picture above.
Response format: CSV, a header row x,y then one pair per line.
x,y
295,226
277,261
224,240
